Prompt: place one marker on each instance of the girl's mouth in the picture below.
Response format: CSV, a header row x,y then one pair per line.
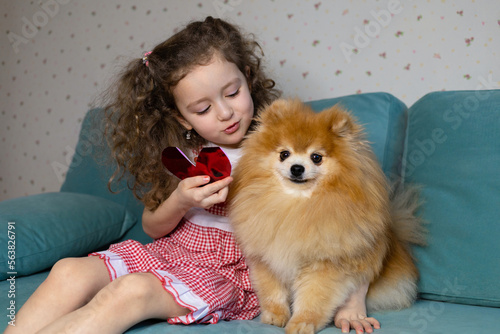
x,y
233,128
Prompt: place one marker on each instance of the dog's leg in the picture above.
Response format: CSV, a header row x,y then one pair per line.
x,y
318,291
272,293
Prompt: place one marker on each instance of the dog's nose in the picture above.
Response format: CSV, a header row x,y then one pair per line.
x,y
297,170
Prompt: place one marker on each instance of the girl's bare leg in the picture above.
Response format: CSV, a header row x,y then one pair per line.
x,y
72,282
118,306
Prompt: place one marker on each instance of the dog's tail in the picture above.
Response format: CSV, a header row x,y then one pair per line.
x,y
405,201
396,287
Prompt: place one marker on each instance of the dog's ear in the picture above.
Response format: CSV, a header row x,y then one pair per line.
x,y
341,123
342,128
275,111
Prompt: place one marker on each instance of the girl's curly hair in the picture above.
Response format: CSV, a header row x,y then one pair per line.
x,y
141,111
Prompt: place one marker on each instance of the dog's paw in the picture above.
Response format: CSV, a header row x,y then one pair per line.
x,y
299,328
275,318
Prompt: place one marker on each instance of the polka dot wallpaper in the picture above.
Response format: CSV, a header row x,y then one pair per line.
x,y
57,55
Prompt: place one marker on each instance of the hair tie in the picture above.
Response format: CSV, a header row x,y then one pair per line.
x,y
145,60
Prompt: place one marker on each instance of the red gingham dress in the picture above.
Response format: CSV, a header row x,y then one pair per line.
x,y
199,263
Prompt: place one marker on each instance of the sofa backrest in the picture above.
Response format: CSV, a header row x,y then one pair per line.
x,y
91,168
453,152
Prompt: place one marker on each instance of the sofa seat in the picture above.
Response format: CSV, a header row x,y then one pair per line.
x,y
423,317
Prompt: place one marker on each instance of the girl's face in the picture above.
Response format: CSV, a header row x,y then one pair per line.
x,y
215,101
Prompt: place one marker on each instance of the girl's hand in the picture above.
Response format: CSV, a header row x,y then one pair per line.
x,y
188,194
195,192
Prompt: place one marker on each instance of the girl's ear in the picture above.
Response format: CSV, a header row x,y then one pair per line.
x,y
183,122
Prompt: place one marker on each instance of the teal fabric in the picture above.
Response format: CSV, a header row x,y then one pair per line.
x,y
91,168
424,316
453,151
52,226
384,118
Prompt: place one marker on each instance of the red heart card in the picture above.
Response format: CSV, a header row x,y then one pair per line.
x,y
211,161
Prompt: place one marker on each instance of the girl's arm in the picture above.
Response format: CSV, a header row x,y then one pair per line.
x,y
188,194
165,218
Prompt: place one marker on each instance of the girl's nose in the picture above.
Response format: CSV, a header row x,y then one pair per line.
x,y
225,112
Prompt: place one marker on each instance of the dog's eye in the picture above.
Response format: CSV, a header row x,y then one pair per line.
x,y
316,158
284,155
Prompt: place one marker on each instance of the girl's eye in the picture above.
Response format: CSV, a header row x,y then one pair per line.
x,y
204,111
235,93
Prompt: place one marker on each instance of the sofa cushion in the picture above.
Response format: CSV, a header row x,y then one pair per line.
x,y
453,150
41,229
384,119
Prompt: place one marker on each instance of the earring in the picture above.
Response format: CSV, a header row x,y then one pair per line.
x,y
137,124
188,135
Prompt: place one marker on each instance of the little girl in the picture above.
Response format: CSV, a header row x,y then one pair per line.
x,y
201,87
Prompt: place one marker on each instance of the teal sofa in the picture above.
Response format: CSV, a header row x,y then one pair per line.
x,y
448,142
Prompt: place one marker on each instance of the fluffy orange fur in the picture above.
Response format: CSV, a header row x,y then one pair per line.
x,y
312,239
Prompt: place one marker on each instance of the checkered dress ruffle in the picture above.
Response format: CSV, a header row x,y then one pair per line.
x,y
205,259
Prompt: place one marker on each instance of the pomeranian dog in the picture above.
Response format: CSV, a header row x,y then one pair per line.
x,y
314,216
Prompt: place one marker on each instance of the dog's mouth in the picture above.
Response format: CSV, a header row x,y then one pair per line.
x,y
298,185
298,180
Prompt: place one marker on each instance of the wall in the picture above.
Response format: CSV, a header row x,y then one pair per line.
x,y
56,55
